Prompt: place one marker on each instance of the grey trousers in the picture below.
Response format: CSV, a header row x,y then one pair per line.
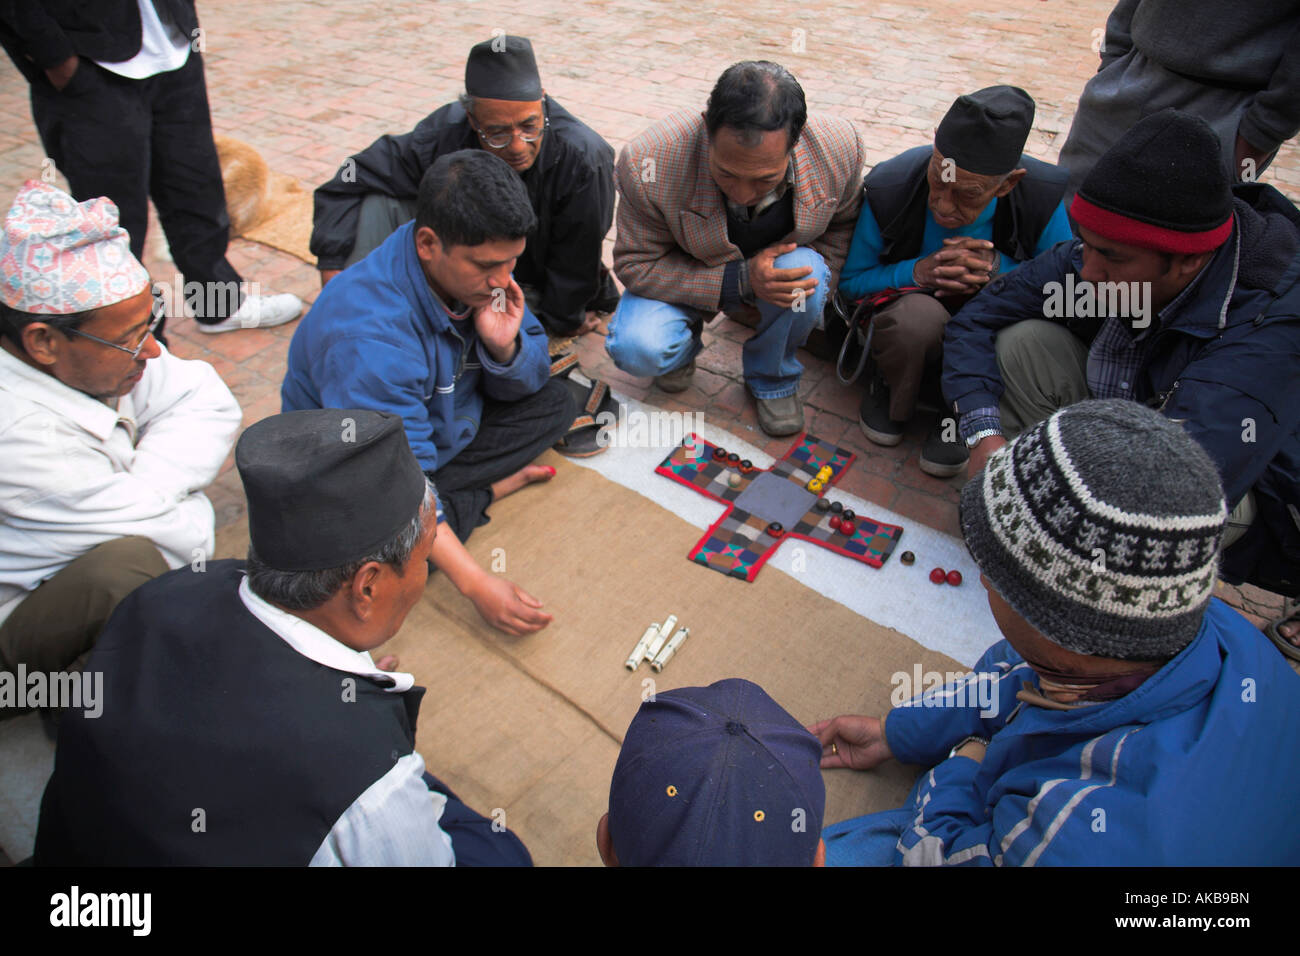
x,y
1044,368
380,217
1134,87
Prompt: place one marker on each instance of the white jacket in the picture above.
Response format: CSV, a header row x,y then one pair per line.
x,y
75,472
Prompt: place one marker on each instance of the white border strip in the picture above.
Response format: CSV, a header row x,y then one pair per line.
x,y
951,620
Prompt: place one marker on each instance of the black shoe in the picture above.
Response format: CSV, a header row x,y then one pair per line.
x,y
874,418
942,458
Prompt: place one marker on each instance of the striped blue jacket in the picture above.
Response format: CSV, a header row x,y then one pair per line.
x,y
1195,767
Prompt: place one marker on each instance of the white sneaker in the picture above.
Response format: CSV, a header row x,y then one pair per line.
x,y
259,312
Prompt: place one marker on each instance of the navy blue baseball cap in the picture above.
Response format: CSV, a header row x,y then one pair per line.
x,y
716,776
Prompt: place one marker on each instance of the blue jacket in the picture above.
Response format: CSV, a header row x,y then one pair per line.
x,y
1194,767
883,255
378,338
1226,363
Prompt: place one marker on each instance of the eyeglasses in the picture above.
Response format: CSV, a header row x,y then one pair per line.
x,y
529,132
135,352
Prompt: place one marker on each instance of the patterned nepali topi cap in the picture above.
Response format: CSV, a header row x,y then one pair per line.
x,y
1100,527
59,256
716,776
1162,186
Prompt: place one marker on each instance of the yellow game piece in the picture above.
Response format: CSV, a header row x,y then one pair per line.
x,y
824,475
816,486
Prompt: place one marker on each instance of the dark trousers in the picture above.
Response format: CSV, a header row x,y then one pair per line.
x,y
510,435
56,624
476,840
131,140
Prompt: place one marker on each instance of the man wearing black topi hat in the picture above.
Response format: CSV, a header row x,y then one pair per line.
x,y
945,218
244,720
1181,293
567,168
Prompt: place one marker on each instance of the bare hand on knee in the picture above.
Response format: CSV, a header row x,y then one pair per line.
x,y
782,287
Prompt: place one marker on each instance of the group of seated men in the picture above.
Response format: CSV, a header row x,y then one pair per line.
x,y
1155,446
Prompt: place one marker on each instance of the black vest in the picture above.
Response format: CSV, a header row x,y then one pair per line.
x,y
898,193
207,709
770,226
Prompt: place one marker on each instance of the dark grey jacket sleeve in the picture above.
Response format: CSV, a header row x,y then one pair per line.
x,y
1274,115
392,166
1119,36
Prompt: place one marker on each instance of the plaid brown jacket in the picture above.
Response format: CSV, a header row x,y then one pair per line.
x,y
672,219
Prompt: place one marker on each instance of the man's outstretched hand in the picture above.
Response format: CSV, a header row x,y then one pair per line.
x,y
506,606
859,742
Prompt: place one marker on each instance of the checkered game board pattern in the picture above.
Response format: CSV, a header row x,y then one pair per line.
x,y
741,541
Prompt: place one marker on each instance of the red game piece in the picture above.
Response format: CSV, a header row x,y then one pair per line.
x,y
954,578
937,576
835,522
847,527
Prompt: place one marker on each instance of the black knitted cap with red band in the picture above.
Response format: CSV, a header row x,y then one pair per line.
x,y
1162,186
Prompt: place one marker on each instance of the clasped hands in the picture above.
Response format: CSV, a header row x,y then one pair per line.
x,y
962,267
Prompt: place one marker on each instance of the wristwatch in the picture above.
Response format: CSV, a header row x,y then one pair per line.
x,y
980,435
965,740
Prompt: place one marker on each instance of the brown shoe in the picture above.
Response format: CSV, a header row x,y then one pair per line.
x,y
678,380
780,416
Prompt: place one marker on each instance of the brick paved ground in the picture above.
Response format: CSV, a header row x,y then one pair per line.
x,y
308,83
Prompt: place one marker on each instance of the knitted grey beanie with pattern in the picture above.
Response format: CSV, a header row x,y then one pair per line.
x,y
1100,527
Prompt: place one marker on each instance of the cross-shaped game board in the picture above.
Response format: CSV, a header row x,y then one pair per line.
x,y
766,506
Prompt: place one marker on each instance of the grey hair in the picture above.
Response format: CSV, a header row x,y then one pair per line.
x,y
306,590
466,103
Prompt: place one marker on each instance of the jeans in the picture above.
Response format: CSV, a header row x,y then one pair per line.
x,y
649,338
